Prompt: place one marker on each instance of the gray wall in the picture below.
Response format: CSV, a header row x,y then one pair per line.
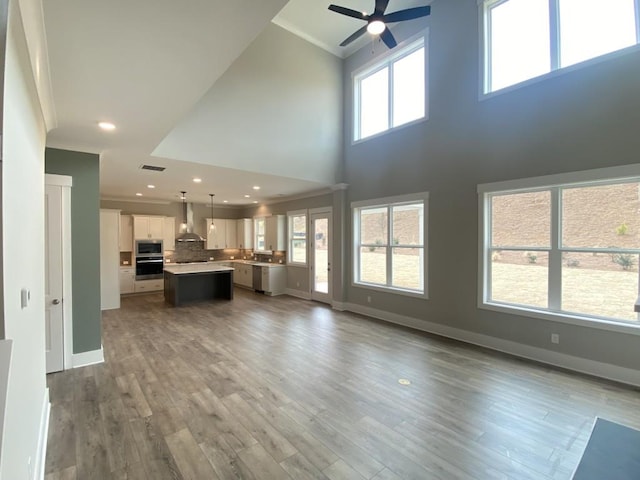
x,y
85,242
579,120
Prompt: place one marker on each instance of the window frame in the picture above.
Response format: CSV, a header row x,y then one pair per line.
x,y
290,238
255,234
554,183
403,49
389,203
484,7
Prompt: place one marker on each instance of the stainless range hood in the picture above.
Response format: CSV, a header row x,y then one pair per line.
x,y
186,229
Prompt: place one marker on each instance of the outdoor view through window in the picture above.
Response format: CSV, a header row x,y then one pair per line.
x,y
570,249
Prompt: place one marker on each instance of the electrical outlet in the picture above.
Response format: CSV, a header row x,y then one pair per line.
x,y
297,284
555,338
368,298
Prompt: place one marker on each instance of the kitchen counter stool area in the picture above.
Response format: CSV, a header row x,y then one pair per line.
x,y
192,283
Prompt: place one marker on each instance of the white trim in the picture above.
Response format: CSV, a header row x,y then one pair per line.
x,y
58,180
91,357
292,292
67,278
41,451
590,367
340,306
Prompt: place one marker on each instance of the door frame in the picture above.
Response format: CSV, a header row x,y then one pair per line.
x,y
328,213
65,182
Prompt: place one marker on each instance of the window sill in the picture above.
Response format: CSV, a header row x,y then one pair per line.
x,y
397,291
390,130
578,320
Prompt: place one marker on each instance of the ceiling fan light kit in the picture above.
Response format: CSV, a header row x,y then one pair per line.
x,y
377,22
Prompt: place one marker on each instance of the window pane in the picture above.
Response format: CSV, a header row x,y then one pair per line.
x,y
260,227
407,267
600,284
260,243
374,103
589,28
299,251
520,277
373,265
299,225
602,216
521,219
408,88
519,41
408,225
373,226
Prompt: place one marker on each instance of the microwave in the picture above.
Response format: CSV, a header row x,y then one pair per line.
x,y
148,248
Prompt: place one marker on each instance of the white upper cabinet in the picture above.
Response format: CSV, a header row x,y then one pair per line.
x,y
231,233
275,233
148,227
126,233
244,228
217,236
169,233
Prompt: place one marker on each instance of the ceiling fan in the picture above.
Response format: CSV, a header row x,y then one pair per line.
x,y
377,21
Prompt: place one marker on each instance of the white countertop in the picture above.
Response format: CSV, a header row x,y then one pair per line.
x,y
184,268
221,262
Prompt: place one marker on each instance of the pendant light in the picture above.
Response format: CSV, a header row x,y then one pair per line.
x,y
212,227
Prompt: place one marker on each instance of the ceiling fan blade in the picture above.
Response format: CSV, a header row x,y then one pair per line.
x,y
348,12
355,35
381,6
388,39
408,14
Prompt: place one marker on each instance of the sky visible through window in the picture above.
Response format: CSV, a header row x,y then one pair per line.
x,y
520,35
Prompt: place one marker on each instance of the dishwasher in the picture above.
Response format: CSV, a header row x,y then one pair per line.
x,y
257,278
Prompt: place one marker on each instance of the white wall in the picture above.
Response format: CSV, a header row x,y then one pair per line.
x,y
23,255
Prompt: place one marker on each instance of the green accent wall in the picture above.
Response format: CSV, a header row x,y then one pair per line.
x,y
85,242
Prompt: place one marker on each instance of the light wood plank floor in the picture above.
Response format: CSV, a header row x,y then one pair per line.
x,y
281,388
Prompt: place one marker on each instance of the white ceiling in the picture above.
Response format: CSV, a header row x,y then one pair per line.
x,y
149,67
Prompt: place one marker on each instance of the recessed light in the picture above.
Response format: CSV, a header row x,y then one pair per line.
x,y
225,201
151,186
247,196
106,125
256,187
255,201
138,194
197,180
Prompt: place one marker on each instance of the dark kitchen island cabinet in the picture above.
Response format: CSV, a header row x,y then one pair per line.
x,y
192,283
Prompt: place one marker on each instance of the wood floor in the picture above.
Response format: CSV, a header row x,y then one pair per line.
x,y
280,388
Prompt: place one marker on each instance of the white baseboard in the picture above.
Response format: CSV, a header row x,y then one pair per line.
x,y
340,306
87,358
599,369
298,293
41,452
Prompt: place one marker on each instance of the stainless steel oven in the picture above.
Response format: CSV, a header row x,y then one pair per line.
x,y
149,267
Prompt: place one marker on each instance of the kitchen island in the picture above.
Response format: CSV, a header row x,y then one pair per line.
x,y
196,282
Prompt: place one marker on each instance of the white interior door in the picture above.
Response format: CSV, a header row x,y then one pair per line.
x,y
54,317
320,258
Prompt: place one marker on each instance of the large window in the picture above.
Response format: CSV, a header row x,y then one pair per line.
x,y
259,242
297,237
389,243
569,249
391,92
528,38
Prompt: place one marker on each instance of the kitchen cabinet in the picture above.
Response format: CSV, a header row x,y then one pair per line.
x,y
126,233
243,274
148,227
109,259
169,233
275,233
244,232
127,280
141,286
223,236
274,280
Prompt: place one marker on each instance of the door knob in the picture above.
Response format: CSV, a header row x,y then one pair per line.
x,y
55,301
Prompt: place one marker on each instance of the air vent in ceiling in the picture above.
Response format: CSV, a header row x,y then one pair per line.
x,y
153,168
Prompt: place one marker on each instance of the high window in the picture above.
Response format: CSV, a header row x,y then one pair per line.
x,y
389,244
391,92
297,237
567,249
527,38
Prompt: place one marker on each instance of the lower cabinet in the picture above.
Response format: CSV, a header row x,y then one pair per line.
x,y
127,280
149,285
243,275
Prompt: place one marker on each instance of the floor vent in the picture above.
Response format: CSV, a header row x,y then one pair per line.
x,y
153,168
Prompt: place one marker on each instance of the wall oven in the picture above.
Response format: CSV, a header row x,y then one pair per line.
x,y
149,259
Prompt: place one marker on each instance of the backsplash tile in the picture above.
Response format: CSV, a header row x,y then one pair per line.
x,y
195,252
